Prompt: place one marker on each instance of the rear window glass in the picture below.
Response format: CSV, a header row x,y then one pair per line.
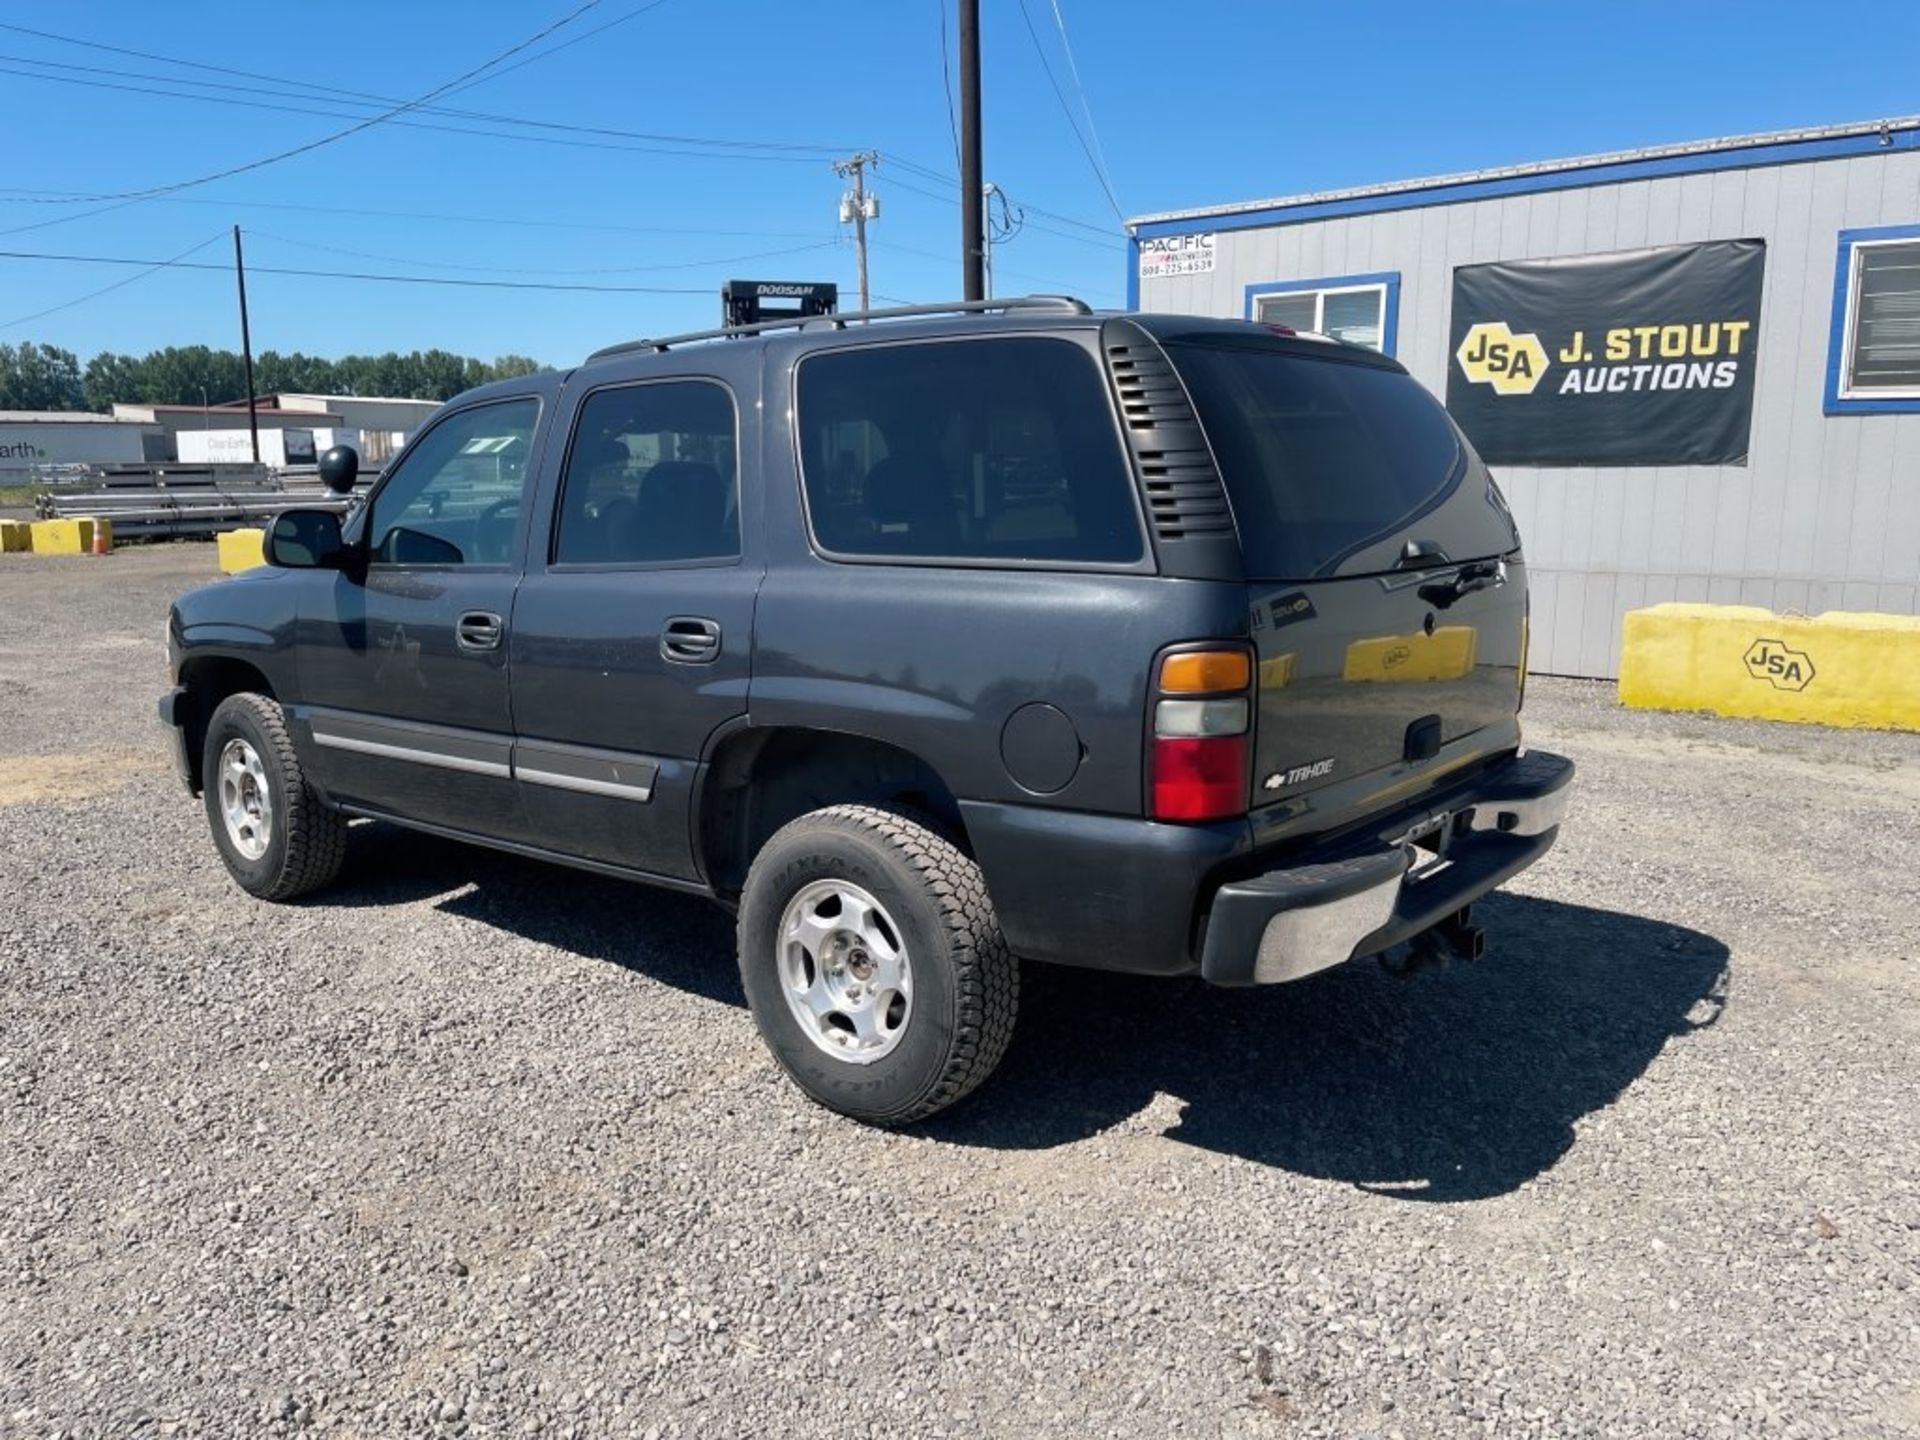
x,y
977,449
1320,456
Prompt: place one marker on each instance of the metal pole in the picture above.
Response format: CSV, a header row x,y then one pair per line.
x,y
972,241
986,238
860,227
246,343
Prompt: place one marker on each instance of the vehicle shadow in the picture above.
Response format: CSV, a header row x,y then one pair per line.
x,y
1445,1086
680,940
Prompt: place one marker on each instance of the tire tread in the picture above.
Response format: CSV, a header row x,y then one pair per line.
x,y
316,836
986,976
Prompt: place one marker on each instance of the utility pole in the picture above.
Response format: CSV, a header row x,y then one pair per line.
x,y
987,192
972,241
246,343
859,207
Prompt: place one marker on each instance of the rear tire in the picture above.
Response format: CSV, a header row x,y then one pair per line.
x,y
278,840
874,965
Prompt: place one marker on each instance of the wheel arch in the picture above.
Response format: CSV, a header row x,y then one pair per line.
x,y
758,778
208,679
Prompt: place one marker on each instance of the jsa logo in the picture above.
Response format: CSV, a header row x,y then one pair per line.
x,y
1780,667
1491,354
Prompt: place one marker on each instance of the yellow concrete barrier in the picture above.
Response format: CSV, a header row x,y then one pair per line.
x,y
1839,668
15,536
62,537
241,550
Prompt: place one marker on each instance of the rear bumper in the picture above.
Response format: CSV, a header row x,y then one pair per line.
x,y
1291,922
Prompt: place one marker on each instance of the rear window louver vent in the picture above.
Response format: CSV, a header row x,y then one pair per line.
x,y
1185,499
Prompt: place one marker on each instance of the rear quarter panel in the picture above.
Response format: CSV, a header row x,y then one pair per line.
x,y
937,658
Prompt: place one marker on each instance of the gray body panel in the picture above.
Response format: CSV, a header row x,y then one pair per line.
x,y
1023,688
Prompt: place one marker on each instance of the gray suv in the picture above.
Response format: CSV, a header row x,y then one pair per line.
x,y
929,641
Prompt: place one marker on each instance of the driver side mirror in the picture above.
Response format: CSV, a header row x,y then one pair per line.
x,y
305,540
339,468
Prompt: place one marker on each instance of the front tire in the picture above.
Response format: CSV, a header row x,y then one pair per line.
x,y
874,965
278,840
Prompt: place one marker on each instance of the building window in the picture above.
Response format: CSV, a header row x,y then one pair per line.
x,y
1360,309
1874,364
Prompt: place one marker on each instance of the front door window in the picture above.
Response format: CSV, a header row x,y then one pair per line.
x,y
457,497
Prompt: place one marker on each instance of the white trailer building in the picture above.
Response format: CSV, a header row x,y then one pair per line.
x,y
1695,369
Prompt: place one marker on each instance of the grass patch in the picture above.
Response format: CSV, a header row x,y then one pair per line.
x,y
21,494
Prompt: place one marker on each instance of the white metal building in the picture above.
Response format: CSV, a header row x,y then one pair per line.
x,y
1820,508
37,444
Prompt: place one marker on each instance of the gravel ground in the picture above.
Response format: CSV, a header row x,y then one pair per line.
x,y
475,1146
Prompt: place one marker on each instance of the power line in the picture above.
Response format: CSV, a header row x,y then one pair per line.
x,y
513,270
732,150
104,289
363,275
366,124
946,79
335,210
1073,69
913,167
278,89
1067,110
1103,230
1112,242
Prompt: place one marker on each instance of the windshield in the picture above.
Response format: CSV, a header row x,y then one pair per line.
x,y
1321,457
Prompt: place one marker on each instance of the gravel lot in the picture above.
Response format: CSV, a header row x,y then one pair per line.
x,y
475,1146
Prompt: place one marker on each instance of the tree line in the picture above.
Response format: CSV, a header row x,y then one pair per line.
x,y
45,377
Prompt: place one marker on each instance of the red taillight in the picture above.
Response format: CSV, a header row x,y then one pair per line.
x,y
1203,779
1199,752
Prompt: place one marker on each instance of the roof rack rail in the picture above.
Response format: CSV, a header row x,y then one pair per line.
x,y
841,319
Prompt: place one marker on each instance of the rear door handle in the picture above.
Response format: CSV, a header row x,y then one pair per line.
x,y
690,640
479,630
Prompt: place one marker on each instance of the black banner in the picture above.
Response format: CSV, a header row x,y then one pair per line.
x,y
1644,357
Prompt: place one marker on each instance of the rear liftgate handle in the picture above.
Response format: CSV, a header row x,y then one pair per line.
x,y
690,640
479,630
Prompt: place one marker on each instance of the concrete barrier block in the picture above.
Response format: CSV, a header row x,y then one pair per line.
x,y
61,537
16,536
241,550
1839,668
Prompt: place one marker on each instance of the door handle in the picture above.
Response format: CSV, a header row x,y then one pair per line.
x,y
690,640
479,630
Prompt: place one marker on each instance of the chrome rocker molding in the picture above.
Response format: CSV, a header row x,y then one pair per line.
x,y
610,773
408,752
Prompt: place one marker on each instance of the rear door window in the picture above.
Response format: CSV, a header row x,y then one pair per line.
x,y
651,477
1002,449
1326,458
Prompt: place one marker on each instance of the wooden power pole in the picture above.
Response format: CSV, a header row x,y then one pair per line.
x,y
972,232
858,207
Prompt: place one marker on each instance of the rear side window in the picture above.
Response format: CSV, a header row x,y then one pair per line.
x,y
980,449
1321,457
651,477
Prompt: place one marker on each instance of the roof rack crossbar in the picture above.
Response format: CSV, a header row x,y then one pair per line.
x,y
841,319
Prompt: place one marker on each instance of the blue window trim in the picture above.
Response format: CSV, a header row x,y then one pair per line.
x,y
1837,334
1389,322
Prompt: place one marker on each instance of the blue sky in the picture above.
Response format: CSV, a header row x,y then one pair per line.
x,y
1192,102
